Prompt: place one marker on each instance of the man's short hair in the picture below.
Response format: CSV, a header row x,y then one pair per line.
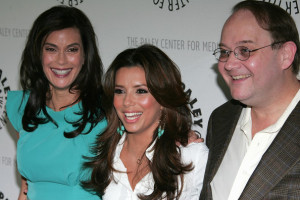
x,y
277,21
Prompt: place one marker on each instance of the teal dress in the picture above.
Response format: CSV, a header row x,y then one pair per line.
x,y
50,162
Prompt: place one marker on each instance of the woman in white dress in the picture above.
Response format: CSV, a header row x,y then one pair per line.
x,y
144,152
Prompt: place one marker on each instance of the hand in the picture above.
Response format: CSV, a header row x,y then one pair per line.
x,y
195,136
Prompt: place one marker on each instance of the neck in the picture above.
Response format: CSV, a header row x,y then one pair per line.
x,y
133,157
136,144
60,99
265,115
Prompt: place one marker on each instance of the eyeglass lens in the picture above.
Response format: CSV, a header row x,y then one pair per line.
x,y
240,52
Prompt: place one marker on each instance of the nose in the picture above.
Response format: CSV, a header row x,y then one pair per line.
x,y
128,100
61,58
232,62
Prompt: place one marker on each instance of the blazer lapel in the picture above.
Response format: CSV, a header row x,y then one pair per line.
x,y
223,128
281,156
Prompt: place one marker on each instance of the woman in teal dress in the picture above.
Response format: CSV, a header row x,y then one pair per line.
x,y
58,114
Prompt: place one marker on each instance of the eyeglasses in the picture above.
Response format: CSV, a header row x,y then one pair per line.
x,y
241,52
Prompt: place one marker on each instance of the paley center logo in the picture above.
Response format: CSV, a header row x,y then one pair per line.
x,y
196,111
2,196
4,88
173,5
289,6
70,2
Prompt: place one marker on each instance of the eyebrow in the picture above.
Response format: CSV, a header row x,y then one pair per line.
x,y
136,86
238,43
54,45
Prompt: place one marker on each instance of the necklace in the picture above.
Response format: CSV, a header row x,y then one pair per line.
x,y
139,161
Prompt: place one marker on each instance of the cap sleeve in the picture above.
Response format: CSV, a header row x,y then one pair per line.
x,y
15,106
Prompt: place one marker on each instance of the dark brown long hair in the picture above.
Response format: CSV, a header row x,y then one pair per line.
x,y
87,83
164,82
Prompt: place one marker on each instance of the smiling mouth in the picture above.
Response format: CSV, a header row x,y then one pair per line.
x,y
61,72
132,116
240,77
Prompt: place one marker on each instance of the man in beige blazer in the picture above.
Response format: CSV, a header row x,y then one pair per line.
x,y
254,140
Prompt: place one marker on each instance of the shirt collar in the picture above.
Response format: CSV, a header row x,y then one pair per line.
x,y
246,122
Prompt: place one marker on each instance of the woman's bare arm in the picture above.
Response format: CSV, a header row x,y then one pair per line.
x,y
24,187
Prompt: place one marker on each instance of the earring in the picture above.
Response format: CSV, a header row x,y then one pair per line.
x,y
160,131
161,128
121,130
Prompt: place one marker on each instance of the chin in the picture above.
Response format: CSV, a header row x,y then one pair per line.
x,y
130,130
240,97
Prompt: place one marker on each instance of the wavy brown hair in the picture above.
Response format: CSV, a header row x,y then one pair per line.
x,y
164,82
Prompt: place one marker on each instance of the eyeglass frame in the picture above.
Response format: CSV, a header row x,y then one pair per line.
x,y
228,52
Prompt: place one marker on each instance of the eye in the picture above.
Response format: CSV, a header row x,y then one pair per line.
x,y
49,49
119,91
73,49
223,53
244,51
141,91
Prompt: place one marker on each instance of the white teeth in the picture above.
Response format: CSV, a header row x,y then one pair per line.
x,y
132,116
240,77
61,71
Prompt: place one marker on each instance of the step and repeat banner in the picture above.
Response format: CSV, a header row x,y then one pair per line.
x,y
187,30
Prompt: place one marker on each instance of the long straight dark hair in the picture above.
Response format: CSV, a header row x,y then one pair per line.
x,y
87,84
164,82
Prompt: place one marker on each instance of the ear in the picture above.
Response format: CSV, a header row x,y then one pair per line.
x,y
288,51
